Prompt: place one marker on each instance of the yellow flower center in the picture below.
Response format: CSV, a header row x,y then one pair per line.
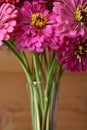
x,y
80,47
81,14
82,50
78,15
38,20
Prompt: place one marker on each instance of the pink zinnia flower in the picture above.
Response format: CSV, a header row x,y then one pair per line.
x,y
12,1
72,53
9,1
72,15
8,16
48,3
36,27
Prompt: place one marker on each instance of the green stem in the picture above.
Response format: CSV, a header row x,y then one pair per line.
x,y
45,110
36,111
50,74
60,73
49,61
24,65
48,119
45,60
41,69
23,55
47,92
38,80
53,102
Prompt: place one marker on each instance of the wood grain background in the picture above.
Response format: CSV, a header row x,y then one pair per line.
x,y
71,113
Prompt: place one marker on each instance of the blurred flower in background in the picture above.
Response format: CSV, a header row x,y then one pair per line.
x,y
72,15
72,53
8,15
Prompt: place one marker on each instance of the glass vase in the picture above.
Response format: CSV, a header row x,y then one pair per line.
x,y
43,111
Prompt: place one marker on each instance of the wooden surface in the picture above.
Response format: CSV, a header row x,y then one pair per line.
x,y
71,113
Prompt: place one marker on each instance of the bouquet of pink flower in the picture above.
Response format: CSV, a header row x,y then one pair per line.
x,y
55,33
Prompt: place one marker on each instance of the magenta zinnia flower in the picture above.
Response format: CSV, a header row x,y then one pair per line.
x,y
8,16
36,27
73,53
13,1
48,3
72,15
9,1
